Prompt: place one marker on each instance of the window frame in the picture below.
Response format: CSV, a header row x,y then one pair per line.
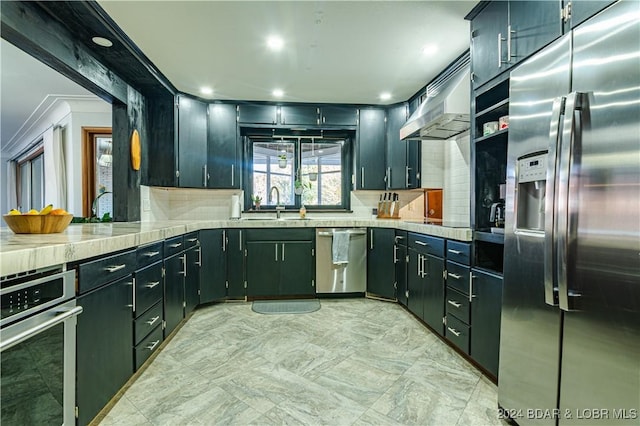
x,y
27,161
346,171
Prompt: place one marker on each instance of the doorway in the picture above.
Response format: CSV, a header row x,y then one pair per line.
x,y
97,176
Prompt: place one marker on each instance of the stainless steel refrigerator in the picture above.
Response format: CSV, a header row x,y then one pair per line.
x,y
570,331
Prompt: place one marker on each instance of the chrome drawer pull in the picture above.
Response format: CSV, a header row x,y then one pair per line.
x,y
421,243
456,276
152,284
175,245
454,251
191,240
152,253
115,268
153,320
454,304
153,345
454,332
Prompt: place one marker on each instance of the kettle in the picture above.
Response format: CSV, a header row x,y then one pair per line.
x,y
496,215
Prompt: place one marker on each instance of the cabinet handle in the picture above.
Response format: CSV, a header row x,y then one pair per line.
x,y
509,32
204,176
395,251
240,239
454,251
152,284
232,173
175,245
112,269
362,177
199,262
406,176
424,270
500,40
224,240
471,296
153,320
454,332
276,247
184,265
283,252
371,238
151,253
452,275
421,243
323,120
454,303
153,345
191,240
420,266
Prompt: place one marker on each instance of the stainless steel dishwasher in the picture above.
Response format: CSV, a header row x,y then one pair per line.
x,y
343,278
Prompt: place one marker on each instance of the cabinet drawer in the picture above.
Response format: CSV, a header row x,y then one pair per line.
x,y
147,321
457,333
427,244
459,252
148,287
457,304
458,277
101,271
190,240
279,234
145,348
173,245
146,255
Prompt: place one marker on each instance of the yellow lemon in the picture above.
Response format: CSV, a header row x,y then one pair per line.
x,y
33,211
14,212
46,210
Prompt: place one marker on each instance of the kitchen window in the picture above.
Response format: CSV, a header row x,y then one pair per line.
x,y
307,171
30,181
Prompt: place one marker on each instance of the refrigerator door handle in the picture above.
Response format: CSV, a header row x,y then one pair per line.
x,y
567,198
550,285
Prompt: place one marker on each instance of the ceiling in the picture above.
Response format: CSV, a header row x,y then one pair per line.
x,y
334,51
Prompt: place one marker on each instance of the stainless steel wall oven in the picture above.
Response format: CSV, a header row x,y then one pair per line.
x,y
38,348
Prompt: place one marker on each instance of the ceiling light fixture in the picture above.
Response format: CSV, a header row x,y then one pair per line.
x,y
275,43
429,49
101,41
385,96
206,90
278,93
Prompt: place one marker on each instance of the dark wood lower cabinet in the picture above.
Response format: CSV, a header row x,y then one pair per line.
x,y
192,279
214,265
235,264
415,284
174,291
486,310
401,274
433,313
380,264
104,359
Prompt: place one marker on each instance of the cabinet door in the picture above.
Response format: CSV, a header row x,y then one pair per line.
x,y
173,291
486,308
414,164
213,271
485,27
192,279
581,10
370,169
297,268
434,293
299,114
235,264
415,282
263,268
225,148
380,265
161,156
396,149
104,360
533,25
401,274
337,115
257,114
192,143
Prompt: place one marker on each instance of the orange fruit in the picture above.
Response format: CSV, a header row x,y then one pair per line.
x,y
58,212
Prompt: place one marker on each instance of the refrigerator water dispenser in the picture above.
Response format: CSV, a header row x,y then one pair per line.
x,y
531,184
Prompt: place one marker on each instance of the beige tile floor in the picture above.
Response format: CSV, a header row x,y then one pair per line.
x,y
353,362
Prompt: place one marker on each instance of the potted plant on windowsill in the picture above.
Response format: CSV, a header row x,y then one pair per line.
x,y
299,187
256,201
282,161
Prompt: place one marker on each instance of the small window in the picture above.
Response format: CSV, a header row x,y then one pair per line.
x,y
30,175
305,170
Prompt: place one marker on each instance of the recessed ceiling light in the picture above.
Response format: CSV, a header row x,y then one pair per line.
x,y
101,41
275,42
278,93
385,96
429,49
206,90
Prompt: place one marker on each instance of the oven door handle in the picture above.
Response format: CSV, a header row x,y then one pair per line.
x,y
21,337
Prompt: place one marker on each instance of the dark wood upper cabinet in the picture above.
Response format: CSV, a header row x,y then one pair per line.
x,y
338,115
224,147
397,150
299,115
370,161
257,114
192,143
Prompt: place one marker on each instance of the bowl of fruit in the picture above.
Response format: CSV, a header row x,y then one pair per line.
x,y
46,221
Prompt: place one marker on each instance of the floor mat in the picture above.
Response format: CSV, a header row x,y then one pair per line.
x,y
303,306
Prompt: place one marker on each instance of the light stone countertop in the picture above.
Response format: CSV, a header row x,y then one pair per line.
x,y
25,252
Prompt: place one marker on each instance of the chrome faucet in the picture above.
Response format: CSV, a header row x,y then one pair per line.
x,y
94,205
279,208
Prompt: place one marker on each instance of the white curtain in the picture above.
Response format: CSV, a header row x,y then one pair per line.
x,y
12,185
55,191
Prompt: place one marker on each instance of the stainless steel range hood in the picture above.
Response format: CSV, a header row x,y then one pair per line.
x,y
445,112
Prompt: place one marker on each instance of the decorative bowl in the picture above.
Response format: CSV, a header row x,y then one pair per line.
x,y
37,224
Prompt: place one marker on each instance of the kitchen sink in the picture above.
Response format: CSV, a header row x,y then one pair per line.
x,y
273,218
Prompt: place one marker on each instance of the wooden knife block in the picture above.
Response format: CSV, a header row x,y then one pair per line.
x,y
388,210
